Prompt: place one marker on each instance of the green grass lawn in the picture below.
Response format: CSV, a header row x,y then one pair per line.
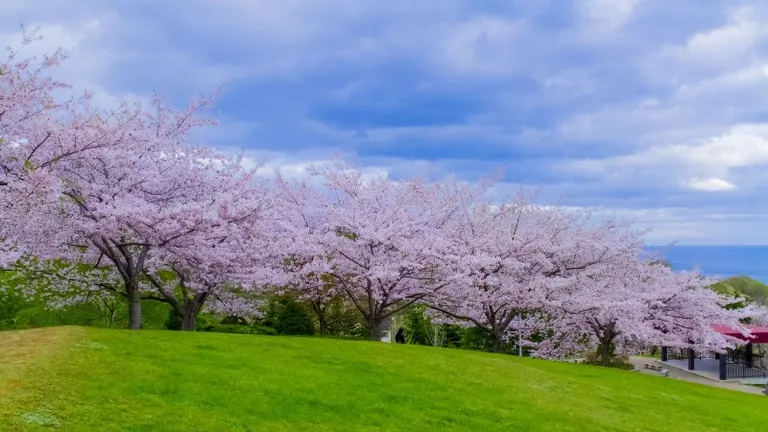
x,y
83,379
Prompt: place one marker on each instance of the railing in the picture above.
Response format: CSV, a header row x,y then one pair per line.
x,y
677,354
682,354
740,370
736,363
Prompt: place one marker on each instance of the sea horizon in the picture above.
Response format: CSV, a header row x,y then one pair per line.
x,y
721,261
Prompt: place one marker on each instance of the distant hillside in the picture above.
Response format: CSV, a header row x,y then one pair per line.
x,y
754,291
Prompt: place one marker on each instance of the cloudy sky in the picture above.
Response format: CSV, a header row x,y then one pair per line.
x,y
654,109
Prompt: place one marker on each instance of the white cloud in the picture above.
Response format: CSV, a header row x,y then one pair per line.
x,y
699,166
730,41
735,44
744,146
605,14
711,184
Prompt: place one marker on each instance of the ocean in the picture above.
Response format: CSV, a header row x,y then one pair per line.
x,y
721,261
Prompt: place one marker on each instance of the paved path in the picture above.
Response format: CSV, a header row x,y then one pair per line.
x,y
639,363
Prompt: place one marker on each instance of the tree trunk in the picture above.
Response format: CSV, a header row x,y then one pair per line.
x,y
189,321
134,307
606,350
112,313
322,324
375,330
322,319
498,342
605,353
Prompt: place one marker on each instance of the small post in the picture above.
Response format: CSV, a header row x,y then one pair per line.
x,y
664,354
748,356
691,359
723,369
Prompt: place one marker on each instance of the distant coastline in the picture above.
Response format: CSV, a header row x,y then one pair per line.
x,y
719,261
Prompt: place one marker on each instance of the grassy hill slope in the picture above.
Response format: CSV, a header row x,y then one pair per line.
x,y
82,379
752,290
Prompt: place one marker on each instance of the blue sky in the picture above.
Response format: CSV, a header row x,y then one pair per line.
x,y
653,109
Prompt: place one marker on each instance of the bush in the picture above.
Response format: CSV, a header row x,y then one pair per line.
x,y
233,319
616,361
288,317
344,320
202,321
239,329
227,328
453,335
262,330
173,322
477,338
293,319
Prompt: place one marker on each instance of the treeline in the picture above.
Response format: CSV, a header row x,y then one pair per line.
x,y
279,315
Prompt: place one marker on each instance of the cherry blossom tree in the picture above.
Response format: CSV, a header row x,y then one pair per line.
x,y
214,239
518,257
582,282
114,197
637,304
382,242
317,289
32,134
301,219
39,134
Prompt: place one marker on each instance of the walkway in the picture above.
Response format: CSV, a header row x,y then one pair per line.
x,y
684,375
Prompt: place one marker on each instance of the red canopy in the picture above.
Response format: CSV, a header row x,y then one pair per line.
x,y
760,334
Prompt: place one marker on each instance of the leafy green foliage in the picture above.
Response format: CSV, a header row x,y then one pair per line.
x,y
293,319
614,361
233,319
12,302
19,312
289,317
416,326
477,338
239,329
752,290
344,320
173,322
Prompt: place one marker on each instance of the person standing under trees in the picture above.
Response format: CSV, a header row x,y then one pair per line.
x,y
400,337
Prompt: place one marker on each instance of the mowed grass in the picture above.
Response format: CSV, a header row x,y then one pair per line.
x,y
83,379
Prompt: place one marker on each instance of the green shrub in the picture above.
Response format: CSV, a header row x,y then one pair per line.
x,y
293,319
288,316
344,320
238,329
173,322
232,319
453,335
616,361
262,330
477,338
227,328
202,321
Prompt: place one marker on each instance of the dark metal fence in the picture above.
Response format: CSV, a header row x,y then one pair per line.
x,y
740,365
740,370
682,354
